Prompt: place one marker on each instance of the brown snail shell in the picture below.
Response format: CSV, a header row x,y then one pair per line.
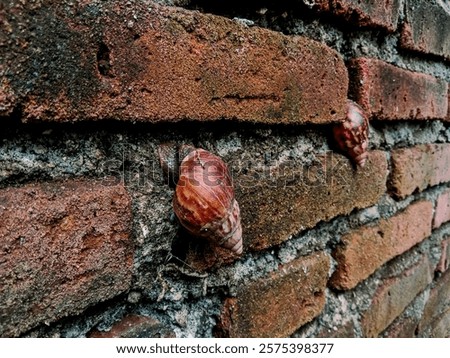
x,y
352,134
204,200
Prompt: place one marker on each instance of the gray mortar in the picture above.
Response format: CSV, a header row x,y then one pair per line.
x,y
405,134
432,247
344,307
445,4
349,40
414,311
368,43
164,287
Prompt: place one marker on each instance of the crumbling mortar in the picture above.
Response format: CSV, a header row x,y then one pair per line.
x,y
348,40
151,252
180,297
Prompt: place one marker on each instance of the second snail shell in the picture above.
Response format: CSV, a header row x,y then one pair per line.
x,y
204,200
352,134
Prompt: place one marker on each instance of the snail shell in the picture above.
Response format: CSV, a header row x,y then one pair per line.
x,y
204,200
352,134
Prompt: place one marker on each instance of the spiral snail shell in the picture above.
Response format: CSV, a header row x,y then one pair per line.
x,y
204,200
352,134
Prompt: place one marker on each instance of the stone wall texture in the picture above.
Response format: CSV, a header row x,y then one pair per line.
x,y
100,99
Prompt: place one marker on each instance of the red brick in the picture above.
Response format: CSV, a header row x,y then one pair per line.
x,y
393,296
442,211
295,197
364,13
438,302
444,262
426,28
64,246
7,99
404,327
281,202
156,63
440,328
364,250
134,326
387,92
277,305
415,169
448,112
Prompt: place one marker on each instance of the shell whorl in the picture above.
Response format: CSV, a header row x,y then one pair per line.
x,y
204,200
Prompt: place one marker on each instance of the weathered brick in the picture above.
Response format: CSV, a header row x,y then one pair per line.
x,y
442,211
416,168
134,326
426,28
438,302
7,99
363,13
293,197
444,262
388,92
448,112
279,202
63,247
345,331
393,296
404,327
364,250
440,328
277,305
140,61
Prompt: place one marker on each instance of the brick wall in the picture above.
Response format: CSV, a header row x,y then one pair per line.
x,y
88,241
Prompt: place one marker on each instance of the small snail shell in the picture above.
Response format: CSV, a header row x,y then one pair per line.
x,y
204,200
352,134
